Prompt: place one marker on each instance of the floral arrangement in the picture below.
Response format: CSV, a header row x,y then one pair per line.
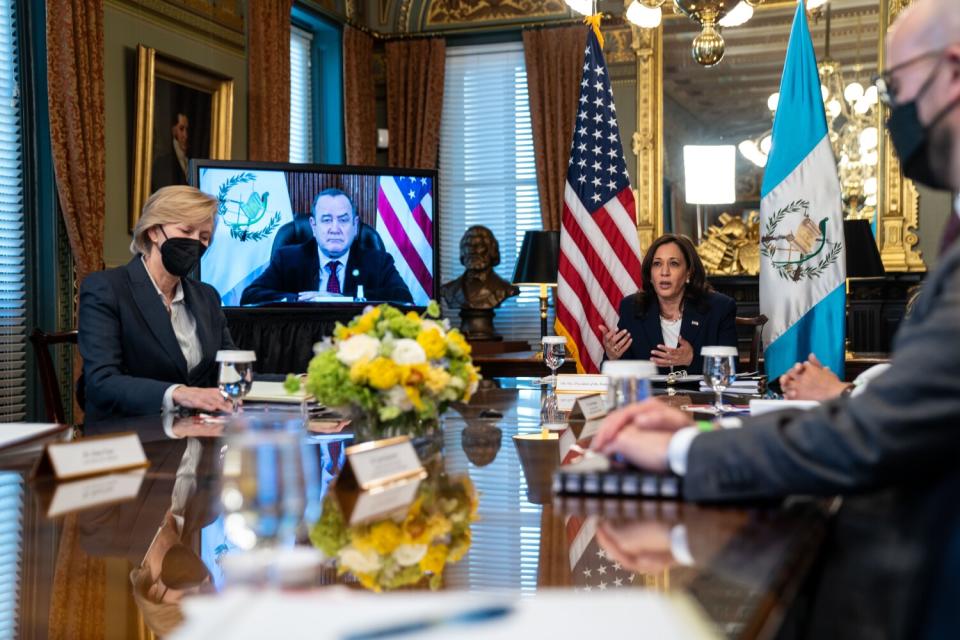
x,y
402,551
400,368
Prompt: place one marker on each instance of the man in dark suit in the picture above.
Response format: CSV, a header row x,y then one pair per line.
x,y
326,265
905,425
170,166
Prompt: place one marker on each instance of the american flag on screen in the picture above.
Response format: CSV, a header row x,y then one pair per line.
x,y
599,246
405,222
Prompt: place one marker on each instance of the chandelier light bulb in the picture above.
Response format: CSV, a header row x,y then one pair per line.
x,y
765,143
824,92
862,106
737,16
643,16
869,138
871,200
815,4
853,92
583,7
870,95
871,158
834,108
870,186
773,101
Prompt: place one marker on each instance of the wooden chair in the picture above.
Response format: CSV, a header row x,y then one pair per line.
x,y
757,322
42,342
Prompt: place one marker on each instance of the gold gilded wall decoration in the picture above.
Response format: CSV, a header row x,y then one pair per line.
x,y
732,246
647,45
456,12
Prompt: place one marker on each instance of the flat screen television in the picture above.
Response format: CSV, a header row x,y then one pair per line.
x,y
270,246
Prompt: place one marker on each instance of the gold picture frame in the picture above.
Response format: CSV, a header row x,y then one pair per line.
x,y
181,88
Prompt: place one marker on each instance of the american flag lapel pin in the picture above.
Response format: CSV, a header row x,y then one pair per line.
x,y
695,323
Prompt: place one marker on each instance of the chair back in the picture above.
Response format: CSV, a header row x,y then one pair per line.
x,y
299,231
757,322
41,342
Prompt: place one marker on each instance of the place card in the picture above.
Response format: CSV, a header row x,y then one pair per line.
x,y
91,456
113,488
378,477
582,383
589,407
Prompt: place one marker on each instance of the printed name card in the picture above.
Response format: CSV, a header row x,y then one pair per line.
x,y
582,383
113,488
589,407
91,456
378,478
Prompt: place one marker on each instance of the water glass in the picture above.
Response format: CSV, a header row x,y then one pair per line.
x,y
551,417
719,371
629,381
554,352
236,375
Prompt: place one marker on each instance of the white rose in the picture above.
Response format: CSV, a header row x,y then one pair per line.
x,y
397,397
408,555
407,351
357,561
356,348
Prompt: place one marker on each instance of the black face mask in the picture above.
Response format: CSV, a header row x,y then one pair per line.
x,y
912,141
180,255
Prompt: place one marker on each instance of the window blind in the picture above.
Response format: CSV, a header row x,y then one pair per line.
x,y
12,287
301,96
487,170
11,527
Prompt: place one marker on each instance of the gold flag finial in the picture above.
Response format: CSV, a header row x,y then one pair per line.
x,y
594,21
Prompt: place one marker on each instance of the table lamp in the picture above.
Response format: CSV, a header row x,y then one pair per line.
x,y
710,177
863,258
537,265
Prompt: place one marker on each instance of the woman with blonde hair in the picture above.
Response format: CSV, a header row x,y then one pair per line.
x,y
148,334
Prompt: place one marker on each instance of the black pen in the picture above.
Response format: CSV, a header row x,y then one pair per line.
x,y
470,616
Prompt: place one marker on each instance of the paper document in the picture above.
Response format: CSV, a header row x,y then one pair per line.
x,y
261,391
15,433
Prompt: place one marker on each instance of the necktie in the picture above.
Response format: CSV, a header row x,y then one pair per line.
x,y
333,284
950,233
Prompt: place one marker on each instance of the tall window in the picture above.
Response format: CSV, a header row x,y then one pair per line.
x,y
316,88
12,287
487,170
301,96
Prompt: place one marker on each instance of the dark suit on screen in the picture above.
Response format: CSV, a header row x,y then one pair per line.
x,y
712,322
130,352
296,268
905,425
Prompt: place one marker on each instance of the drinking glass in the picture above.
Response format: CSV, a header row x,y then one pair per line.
x,y
236,375
551,417
719,370
553,355
628,381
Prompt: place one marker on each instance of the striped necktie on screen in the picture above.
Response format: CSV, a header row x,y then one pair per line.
x,y
333,283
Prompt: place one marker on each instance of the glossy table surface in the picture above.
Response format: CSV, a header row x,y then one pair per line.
x,y
744,565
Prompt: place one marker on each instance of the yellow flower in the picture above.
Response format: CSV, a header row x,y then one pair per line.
x,y
413,394
413,316
383,373
414,374
433,343
434,560
360,371
385,536
368,580
457,343
460,547
436,379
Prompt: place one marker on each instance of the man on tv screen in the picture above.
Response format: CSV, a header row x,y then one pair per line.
x,y
328,265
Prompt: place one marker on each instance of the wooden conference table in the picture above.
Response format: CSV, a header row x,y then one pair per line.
x,y
755,570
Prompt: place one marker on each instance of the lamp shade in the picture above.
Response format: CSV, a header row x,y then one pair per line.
x,y
710,173
863,257
539,258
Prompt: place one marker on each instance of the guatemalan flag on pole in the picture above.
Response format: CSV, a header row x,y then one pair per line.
x,y
599,247
803,263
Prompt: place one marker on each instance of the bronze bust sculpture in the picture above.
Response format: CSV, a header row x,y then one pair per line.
x,y
478,290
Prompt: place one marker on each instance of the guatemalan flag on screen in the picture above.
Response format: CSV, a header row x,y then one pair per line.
x,y
405,223
803,262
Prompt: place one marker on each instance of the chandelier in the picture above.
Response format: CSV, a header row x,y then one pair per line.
x,y
851,113
711,15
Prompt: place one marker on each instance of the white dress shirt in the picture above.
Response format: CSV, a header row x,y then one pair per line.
x,y
324,274
184,328
671,331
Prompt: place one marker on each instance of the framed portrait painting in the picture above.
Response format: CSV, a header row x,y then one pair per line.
x,y
183,112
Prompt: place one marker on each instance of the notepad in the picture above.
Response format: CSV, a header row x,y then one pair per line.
x,y
262,391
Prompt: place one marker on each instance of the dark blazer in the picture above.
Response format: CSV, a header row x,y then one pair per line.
x,y
166,171
130,352
710,323
905,425
297,268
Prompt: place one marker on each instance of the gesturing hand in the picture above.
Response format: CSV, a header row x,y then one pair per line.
x,y
664,356
615,343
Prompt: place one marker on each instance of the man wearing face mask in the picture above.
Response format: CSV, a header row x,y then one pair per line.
x,y
148,334
904,426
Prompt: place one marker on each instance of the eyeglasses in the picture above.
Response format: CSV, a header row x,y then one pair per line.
x,y
886,87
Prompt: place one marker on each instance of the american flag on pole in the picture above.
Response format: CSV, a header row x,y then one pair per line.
x,y
599,246
405,223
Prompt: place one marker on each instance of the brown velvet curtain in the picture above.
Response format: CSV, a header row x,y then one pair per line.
x,y
75,86
359,114
554,59
415,71
268,71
